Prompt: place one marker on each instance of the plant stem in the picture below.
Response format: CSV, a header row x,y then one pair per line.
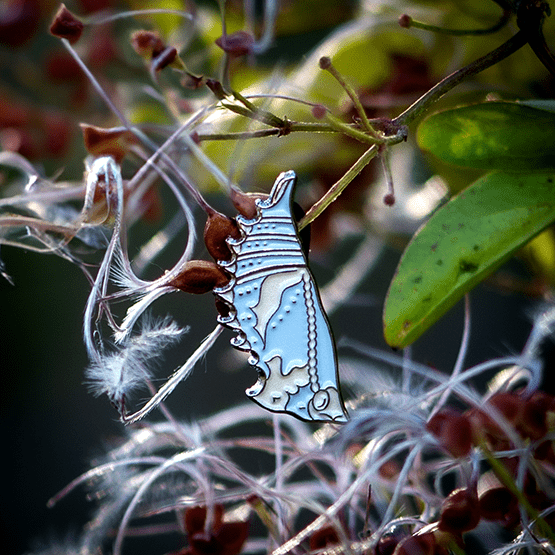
x,y
342,127
328,66
337,188
503,20
509,47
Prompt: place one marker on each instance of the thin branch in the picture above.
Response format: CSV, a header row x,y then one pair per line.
x,y
516,42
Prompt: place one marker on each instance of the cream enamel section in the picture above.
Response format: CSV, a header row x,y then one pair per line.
x,y
278,315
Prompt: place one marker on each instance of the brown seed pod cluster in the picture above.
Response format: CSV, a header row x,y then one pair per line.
x,y
106,142
530,416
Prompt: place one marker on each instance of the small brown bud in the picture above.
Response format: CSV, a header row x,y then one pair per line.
x,y
322,538
495,501
105,142
200,276
319,111
245,203
217,229
325,62
453,431
237,44
216,88
460,512
405,21
389,199
66,26
192,81
147,43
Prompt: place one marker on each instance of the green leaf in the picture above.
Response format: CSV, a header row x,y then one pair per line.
x,y
461,244
504,136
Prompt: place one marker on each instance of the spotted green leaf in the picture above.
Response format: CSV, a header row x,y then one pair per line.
x,y
461,244
504,136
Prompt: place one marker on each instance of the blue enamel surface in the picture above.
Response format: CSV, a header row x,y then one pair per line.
x,y
278,314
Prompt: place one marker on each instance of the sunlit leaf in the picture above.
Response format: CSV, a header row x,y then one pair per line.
x,y
461,244
493,135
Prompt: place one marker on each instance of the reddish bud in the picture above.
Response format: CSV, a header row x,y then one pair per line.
x,y
105,142
216,87
200,276
405,21
453,431
533,423
191,81
237,44
319,111
66,26
325,62
147,43
245,203
510,406
322,538
217,229
389,199
460,512
495,501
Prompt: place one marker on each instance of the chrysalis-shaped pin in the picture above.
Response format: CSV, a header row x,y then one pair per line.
x,y
278,314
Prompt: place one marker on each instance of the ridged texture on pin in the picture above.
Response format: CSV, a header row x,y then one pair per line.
x,y
277,313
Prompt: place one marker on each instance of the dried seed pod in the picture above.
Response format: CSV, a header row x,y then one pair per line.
x,y
236,44
217,229
147,43
200,276
460,512
245,203
218,90
453,431
322,538
534,421
66,26
495,501
105,142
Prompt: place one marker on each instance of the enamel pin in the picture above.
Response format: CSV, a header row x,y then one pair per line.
x,y
278,315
